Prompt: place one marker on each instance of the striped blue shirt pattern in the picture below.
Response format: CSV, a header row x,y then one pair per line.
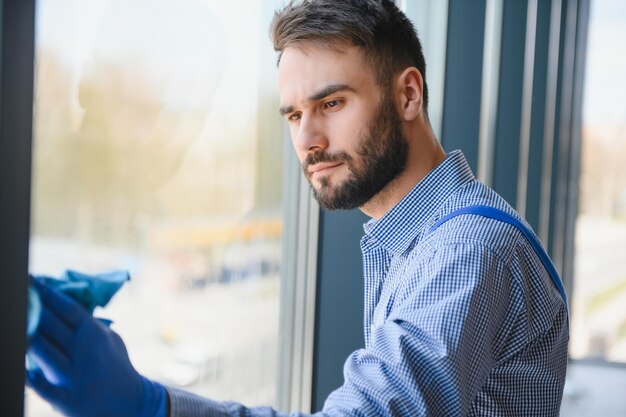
x,y
463,320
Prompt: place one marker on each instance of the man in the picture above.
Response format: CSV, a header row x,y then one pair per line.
x,y
464,314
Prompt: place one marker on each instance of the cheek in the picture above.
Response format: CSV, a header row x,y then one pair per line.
x,y
300,154
356,124
346,135
293,134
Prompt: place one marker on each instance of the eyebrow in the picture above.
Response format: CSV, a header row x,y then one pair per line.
x,y
324,92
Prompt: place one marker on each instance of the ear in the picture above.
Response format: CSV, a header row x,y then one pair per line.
x,y
409,86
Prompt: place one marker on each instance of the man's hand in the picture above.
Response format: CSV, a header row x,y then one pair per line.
x,y
84,369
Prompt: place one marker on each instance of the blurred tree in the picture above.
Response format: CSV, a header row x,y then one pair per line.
x,y
107,142
603,172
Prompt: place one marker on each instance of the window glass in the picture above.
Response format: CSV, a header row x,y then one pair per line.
x,y
158,150
599,316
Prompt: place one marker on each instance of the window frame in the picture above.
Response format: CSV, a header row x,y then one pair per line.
x,y
17,36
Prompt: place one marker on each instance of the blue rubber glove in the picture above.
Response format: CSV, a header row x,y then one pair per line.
x,y
84,369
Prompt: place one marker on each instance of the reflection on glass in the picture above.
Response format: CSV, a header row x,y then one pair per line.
x,y
599,316
158,150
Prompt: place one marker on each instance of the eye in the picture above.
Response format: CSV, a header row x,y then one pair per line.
x,y
331,104
293,117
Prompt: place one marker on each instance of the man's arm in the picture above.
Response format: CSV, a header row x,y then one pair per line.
x,y
435,346
429,357
83,369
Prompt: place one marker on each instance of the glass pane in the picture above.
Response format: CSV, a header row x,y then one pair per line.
x,y
158,149
599,316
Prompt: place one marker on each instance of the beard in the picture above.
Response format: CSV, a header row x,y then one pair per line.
x,y
381,157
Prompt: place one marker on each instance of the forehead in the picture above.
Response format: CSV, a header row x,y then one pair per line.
x,y
306,69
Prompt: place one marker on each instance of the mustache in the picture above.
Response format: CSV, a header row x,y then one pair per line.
x,y
321,156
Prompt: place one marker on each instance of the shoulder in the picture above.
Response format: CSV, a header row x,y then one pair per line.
x,y
471,230
474,248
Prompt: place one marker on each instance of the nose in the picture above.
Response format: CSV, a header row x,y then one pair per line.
x,y
310,135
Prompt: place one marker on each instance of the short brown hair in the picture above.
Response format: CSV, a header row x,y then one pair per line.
x,y
386,36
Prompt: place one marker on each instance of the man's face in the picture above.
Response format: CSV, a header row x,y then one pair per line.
x,y
347,135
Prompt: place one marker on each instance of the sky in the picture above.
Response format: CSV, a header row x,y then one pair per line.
x,y
605,84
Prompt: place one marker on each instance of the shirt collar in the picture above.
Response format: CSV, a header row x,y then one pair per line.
x,y
399,227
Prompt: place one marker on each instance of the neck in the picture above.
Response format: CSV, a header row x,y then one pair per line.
x,y
425,153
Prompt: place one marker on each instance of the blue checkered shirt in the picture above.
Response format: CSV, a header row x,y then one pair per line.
x,y
460,321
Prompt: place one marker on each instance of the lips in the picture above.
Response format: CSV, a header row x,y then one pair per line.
x,y
322,167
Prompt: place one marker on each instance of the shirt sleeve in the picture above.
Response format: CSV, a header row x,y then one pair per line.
x,y
430,355
185,404
437,343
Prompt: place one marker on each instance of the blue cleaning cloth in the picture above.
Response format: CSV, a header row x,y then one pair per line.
x,y
90,291
34,311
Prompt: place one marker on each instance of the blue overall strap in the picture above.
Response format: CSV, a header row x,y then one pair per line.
x,y
494,213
